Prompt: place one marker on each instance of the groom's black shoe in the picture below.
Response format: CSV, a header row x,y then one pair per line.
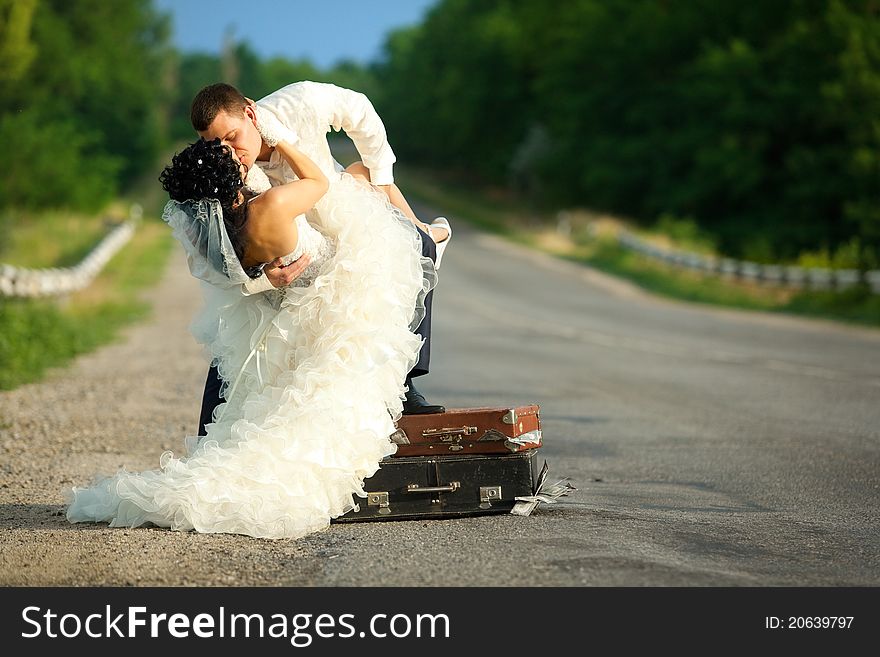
x,y
415,403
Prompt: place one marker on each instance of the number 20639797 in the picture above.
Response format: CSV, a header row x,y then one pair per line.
x,y
808,622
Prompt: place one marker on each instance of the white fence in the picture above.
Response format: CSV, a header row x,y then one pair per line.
x,y
22,282
797,277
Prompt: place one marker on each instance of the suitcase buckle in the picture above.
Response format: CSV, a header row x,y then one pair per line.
x,y
487,494
380,500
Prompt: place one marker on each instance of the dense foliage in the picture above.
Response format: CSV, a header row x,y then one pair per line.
x,y
81,98
760,122
756,125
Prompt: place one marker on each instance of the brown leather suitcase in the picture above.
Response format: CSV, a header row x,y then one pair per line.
x,y
462,431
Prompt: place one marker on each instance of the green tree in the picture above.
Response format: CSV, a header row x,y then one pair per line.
x,y
192,72
93,95
16,48
757,120
54,165
456,87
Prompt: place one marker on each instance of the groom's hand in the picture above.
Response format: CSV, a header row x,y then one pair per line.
x,y
281,276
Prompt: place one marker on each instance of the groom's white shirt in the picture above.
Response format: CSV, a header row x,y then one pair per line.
x,y
333,108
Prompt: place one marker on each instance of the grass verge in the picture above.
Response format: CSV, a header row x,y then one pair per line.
x,y
38,334
50,239
496,213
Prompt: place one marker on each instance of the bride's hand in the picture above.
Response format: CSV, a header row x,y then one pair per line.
x,y
271,129
281,276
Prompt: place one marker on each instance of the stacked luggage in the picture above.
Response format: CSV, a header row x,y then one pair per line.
x,y
462,462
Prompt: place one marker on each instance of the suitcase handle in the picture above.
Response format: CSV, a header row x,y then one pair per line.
x,y
451,488
449,431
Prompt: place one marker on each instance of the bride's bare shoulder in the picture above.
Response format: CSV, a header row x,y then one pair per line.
x,y
271,205
270,224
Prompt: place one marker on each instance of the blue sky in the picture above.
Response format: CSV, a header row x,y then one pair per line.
x,y
320,30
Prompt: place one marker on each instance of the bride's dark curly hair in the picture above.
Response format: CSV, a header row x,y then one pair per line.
x,y
205,169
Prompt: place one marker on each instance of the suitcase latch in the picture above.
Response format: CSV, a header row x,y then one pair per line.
x,y
449,434
487,494
380,500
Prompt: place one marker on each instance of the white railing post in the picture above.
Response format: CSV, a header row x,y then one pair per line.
x,y
815,278
23,282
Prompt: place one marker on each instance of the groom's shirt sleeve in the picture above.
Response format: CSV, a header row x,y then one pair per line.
x,y
352,111
256,285
344,109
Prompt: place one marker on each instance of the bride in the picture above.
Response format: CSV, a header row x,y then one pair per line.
x,y
313,374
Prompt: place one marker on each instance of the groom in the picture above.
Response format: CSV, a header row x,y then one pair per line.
x,y
297,111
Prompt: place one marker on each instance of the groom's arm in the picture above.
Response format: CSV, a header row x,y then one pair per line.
x,y
344,109
353,112
276,275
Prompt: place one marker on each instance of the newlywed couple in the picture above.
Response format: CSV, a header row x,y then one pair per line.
x,y
317,283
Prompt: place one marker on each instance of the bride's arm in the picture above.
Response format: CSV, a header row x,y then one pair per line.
x,y
297,196
271,214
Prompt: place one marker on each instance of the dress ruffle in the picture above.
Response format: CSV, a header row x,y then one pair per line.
x,y
314,380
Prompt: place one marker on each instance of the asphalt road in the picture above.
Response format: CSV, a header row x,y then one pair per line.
x,y
709,447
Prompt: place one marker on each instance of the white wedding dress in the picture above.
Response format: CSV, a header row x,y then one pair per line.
x,y
313,377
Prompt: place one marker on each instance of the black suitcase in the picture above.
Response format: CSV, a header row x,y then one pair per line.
x,y
446,486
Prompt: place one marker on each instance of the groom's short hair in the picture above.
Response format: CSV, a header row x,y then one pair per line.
x,y
212,100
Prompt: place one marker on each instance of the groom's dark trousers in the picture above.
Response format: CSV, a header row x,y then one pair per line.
x,y
211,397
